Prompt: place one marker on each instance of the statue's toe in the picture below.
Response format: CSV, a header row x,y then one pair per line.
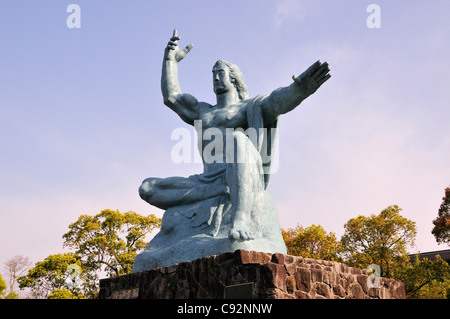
x,y
233,235
244,235
240,235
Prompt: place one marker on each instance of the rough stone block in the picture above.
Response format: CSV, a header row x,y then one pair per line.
x,y
273,276
290,284
303,279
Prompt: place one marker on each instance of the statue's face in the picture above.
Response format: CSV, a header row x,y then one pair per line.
x,y
221,79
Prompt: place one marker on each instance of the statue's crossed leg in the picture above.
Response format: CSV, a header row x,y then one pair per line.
x,y
244,180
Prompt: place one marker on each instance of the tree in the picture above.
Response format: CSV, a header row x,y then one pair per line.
x,y
311,242
109,241
15,267
98,242
50,274
441,229
379,239
62,293
426,279
3,287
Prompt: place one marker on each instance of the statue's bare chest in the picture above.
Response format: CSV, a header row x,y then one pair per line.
x,y
231,116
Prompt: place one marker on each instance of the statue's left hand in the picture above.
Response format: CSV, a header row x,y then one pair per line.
x,y
316,75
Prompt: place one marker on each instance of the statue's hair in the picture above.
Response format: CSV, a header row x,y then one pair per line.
x,y
236,74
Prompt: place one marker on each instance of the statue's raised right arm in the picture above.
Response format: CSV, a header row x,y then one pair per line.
x,y
185,105
286,99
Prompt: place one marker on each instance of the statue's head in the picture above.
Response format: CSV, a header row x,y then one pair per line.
x,y
226,76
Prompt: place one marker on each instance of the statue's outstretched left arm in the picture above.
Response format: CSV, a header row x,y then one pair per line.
x,y
285,99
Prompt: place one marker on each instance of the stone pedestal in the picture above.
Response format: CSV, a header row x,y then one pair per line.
x,y
270,276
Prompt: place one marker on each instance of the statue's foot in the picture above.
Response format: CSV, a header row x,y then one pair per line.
x,y
238,233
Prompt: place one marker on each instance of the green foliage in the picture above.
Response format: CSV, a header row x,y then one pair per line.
x,y
441,229
2,287
426,279
379,239
64,294
311,242
49,274
376,239
12,295
110,240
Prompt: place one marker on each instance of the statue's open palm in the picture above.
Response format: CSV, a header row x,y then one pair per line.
x,y
313,77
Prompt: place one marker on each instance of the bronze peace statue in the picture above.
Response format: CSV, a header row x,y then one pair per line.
x,y
226,207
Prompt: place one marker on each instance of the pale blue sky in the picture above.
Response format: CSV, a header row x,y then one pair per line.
x,y
82,121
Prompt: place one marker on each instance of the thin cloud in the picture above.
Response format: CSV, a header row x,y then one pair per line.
x,y
289,10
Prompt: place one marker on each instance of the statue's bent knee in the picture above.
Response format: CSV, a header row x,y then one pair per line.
x,y
147,188
244,150
240,137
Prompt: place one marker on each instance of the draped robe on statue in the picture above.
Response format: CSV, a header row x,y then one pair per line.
x,y
201,229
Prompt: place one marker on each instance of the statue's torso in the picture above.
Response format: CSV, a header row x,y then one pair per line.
x,y
216,123
231,116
